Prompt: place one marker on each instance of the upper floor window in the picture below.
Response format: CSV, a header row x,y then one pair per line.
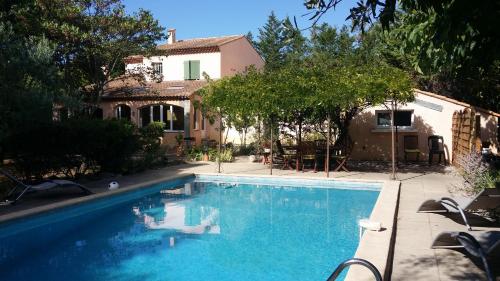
x,y
192,70
157,68
402,118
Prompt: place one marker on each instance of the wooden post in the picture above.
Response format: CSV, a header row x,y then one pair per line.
x,y
327,158
220,142
393,176
271,151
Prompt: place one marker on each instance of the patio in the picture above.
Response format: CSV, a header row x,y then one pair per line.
x,y
415,231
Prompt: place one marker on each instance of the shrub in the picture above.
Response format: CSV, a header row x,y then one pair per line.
x,y
72,147
476,174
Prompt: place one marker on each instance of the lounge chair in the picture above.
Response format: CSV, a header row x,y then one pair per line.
x,y
487,199
484,245
48,184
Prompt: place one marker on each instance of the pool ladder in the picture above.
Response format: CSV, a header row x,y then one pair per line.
x,y
352,261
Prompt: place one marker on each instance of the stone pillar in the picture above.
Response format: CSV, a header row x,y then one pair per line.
x,y
187,121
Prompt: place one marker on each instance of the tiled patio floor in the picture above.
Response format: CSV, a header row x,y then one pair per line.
x,y
413,258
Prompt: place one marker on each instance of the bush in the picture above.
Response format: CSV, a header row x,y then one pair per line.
x,y
196,154
72,147
151,146
476,174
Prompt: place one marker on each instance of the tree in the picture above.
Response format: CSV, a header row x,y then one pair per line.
x,y
452,44
29,81
271,42
91,39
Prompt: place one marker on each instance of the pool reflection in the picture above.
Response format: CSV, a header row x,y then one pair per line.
x,y
178,212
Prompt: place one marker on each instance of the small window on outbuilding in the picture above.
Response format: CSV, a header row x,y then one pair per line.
x,y
402,118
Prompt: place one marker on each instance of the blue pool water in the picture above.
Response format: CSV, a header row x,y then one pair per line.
x,y
211,228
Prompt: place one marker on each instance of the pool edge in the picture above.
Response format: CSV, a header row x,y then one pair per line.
x,y
377,247
10,217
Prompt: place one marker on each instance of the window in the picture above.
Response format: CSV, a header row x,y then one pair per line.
x,y
122,112
192,70
202,121
402,118
171,116
157,68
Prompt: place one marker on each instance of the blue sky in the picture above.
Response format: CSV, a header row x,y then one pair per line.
x,y
194,19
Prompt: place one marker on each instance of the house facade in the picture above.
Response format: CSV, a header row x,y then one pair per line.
x,y
429,114
171,98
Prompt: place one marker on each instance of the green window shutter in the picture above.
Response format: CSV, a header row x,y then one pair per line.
x,y
195,69
186,70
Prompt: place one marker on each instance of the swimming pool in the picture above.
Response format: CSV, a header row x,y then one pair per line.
x,y
209,227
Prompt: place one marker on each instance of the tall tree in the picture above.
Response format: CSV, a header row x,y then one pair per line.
x,y
271,42
91,38
29,80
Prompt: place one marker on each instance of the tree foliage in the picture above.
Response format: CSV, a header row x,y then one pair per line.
x,y
450,45
324,84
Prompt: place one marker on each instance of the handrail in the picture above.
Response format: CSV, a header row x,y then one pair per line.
x,y
352,261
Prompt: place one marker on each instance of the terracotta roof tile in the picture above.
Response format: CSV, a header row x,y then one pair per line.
x,y
207,45
132,89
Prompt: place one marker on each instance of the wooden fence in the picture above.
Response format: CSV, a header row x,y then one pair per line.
x,y
464,132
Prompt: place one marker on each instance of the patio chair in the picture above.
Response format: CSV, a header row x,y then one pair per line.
x,y
436,146
48,184
411,147
484,245
487,199
344,153
283,156
308,154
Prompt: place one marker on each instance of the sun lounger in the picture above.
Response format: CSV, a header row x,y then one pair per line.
x,y
49,184
487,199
484,245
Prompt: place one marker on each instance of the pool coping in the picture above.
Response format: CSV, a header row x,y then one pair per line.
x,y
85,199
376,247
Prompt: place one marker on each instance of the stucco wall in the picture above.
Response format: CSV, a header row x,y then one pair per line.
x,y
173,66
237,55
374,144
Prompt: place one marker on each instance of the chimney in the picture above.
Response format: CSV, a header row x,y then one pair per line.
x,y
171,36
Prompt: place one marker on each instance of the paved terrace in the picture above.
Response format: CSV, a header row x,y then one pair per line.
x,y
413,258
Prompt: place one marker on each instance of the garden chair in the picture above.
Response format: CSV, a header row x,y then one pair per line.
x,y
285,157
411,147
483,245
344,153
436,146
49,184
308,154
487,199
